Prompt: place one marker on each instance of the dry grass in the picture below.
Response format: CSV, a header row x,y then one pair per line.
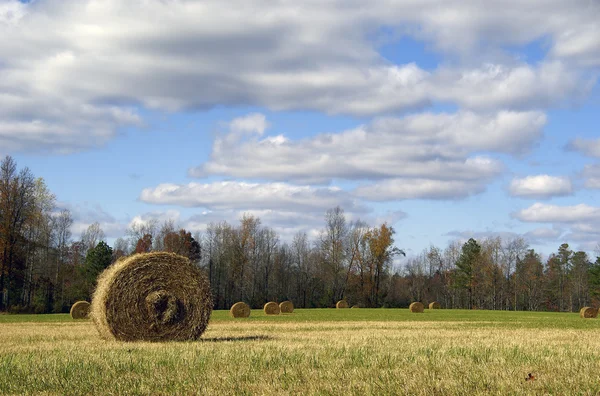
x,y
286,307
240,310
413,355
588,312
152,297
80,310
341,304
416,307
271,308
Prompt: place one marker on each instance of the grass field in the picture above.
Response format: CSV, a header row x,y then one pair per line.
x,y
316,351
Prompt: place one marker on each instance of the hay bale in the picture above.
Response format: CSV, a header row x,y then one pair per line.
x,y
240,310
588,312
416,307
272,308
80,310
435,305
355,306
286,307
152,297
342,304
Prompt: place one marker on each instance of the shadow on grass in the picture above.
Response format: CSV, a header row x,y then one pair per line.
x,y
242,338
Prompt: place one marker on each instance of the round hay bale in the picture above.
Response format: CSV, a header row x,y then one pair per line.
x,y
80,310
588,312
355,306
152,297
435,305
272,308
286,307
240,310
342,304
416,307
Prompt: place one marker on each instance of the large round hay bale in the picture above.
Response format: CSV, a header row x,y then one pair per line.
x,y
286,307
240,310
80,310
342,304
355,306
588,312
272,308
435,305
152,297
416,307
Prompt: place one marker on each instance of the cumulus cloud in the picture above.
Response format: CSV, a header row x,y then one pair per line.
x,y
418,156
579,222
543,213
397,189
113,55
251,196
540,186
581,44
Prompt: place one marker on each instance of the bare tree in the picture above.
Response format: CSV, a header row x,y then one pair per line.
x,y
512,251
63,223
332,245
92,236
16,208
142,230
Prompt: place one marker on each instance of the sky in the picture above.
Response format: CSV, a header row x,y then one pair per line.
x,y
447,119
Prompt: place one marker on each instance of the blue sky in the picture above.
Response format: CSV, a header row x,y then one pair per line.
x,y
448,119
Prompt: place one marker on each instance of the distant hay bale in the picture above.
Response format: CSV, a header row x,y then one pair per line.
x,y
80,310
286,307
240,310
272,308
355,306
342,304
435,305
152,297
416,307
588,312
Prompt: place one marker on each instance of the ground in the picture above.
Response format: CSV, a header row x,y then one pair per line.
x,y
313,351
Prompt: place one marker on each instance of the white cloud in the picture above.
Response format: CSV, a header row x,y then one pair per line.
x,y
157,217
543,213
581,45
230,195
254,123
421,156
518,87
397,189
59,125
193,55
540,186
576,223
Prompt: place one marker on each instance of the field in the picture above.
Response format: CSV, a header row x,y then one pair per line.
x,y
316,351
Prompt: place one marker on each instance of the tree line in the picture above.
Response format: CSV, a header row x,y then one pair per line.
x,y
44,269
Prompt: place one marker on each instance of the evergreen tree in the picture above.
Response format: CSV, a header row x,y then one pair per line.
x,y
96,261
467,267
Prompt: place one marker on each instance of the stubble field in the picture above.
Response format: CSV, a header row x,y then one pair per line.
x,y
312,351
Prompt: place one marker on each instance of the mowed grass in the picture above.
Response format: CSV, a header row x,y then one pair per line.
x,y
312,351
